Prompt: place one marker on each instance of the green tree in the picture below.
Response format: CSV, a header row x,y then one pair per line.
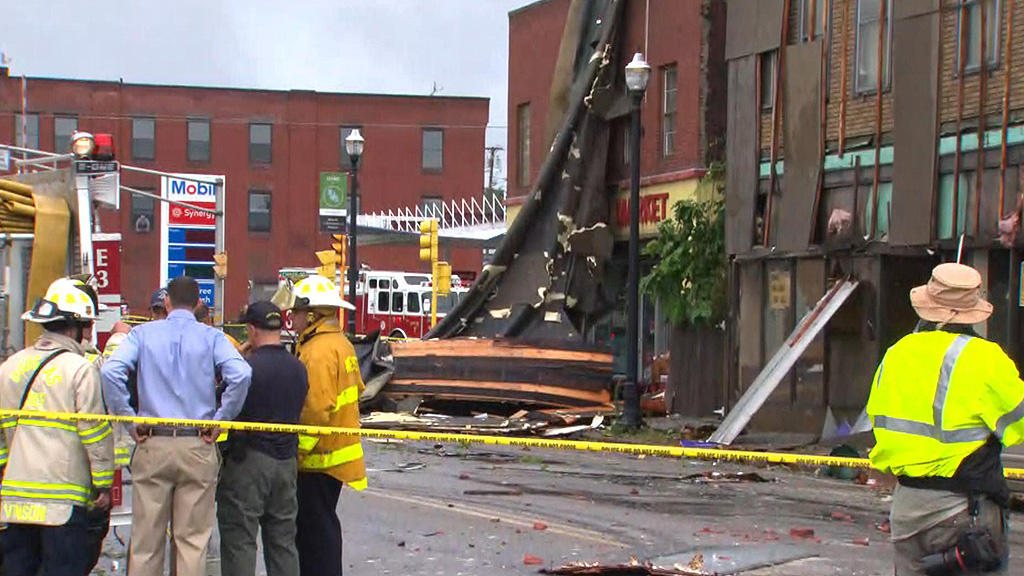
x,y
690,265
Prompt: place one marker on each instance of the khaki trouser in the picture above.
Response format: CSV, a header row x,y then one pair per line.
x,y
172,476
944,535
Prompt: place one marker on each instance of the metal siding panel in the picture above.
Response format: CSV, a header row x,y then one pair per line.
x,y
741,151
752,26
915,70
802,133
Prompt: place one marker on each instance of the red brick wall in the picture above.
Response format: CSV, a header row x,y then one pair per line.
x,y
306,141
676,34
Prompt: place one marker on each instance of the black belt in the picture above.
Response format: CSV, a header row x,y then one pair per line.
x,y
170,432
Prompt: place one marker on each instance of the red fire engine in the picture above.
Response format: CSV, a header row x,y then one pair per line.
x,y
396,303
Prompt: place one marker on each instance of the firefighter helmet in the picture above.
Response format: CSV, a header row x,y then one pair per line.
x,y
318,292
65,299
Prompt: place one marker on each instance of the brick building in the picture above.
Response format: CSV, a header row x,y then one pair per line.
x,y
683,116
271,146
877,185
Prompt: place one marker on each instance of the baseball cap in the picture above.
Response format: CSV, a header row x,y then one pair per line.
x,y
264,315
157,301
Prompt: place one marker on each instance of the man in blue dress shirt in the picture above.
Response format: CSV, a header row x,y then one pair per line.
x,y
174,469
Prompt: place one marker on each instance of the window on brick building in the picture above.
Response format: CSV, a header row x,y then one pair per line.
x,y
142,212
769,60
433,149
523,141
669,90
345,132
26,133
866,61
260,143
63,128
198,140
971,11
143,138
432,206
812,19
259,211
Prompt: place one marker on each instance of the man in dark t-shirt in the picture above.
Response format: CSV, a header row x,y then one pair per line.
x,y
257,482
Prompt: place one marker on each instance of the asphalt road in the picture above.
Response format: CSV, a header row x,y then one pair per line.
x,y
458,510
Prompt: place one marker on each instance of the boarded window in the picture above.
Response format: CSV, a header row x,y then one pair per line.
x,y
260,143
26,131
198,140
523,151
259,211
433,149
869,26
971,10
670,88
143,138
63,128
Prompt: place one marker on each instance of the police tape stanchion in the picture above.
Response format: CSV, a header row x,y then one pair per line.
x,y
716,454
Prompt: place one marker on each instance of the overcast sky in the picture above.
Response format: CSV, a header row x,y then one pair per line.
x,y
389,46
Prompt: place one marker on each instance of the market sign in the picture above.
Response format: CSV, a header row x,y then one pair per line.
x,y
188,236
333,201
656,202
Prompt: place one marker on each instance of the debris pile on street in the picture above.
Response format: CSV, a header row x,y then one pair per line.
x,y
542,423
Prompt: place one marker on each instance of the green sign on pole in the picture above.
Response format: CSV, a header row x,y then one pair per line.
x,y
333,201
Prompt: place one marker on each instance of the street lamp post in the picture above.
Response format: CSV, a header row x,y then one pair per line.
x,y
354,148
637,74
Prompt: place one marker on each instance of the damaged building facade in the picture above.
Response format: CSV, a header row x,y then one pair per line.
x,y
866,138
683,117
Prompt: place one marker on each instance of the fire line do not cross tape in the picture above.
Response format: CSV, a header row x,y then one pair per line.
x,y
718,454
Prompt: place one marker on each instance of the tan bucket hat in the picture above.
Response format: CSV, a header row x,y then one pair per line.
x,y
951,296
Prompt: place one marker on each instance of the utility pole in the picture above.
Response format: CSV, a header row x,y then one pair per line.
x,y
492,153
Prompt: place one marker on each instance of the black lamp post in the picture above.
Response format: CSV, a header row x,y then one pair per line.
x,y
637,74
354,148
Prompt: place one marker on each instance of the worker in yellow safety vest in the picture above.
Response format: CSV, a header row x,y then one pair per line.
x,y
943,403
325,462
55,472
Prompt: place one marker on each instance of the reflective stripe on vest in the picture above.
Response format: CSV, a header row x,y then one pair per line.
x,y
348,396
45,491
307,443
935,430
333,458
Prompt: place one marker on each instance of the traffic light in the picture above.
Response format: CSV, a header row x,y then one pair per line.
x,y
339,245
220,265
443,281
428,240
328,263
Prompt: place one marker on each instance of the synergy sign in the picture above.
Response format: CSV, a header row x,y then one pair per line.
x,y
188,236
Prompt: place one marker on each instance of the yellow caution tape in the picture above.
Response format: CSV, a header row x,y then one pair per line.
x,y
520,442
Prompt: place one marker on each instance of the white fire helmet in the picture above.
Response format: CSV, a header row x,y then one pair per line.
x,y
65,299
318,292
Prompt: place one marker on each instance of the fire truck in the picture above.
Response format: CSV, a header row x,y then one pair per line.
x,y
396,303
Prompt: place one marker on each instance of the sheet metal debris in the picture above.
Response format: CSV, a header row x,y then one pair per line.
x,y
721,561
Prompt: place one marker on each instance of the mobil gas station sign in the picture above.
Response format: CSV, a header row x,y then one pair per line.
x,y
188,234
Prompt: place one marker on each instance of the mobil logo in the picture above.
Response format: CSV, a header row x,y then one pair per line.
x,y
188,190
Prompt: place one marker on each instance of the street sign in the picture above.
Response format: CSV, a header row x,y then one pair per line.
x,y
333,201
96,166
106,249
188,235
5,159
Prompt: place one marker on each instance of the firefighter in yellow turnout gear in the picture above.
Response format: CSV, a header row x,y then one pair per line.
x,y
325,462
943,403
54,471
